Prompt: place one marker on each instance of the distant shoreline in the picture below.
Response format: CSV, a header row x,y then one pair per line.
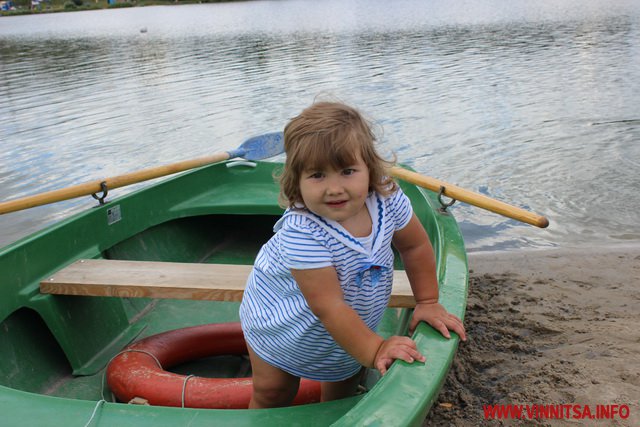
x,y
23,7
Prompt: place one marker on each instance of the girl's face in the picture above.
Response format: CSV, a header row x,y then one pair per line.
x,y
339,195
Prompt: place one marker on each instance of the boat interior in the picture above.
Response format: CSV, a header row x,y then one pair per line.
x,y
35,361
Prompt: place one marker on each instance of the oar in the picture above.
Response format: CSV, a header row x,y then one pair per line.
x,y
256,148
467,196
479,200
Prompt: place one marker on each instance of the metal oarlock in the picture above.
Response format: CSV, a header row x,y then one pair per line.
x,y
444,205
105,191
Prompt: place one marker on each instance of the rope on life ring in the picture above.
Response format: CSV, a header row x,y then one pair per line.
x,y
139,371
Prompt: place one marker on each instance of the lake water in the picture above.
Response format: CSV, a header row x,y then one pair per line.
x,y
533,102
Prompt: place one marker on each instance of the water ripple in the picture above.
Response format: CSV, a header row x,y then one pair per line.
x,y
532,103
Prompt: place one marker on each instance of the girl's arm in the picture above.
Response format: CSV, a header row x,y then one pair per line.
x,y
412,242
321,289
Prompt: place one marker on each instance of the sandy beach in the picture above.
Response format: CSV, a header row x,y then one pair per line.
x,y
551,327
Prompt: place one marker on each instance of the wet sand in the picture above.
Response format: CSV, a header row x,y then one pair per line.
x,y
548,327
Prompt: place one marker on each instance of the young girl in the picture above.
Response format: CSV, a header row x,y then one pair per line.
x,y
320,285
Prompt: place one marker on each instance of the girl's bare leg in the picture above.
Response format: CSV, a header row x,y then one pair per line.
x,y
340,389
272,387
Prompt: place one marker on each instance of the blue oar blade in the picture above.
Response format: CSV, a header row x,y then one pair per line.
x,y
260,147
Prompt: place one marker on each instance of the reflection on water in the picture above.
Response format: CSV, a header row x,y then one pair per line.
x,y
531,102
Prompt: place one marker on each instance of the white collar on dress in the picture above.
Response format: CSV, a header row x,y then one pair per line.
x,y
375,206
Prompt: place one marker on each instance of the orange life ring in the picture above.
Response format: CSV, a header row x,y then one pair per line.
x,y
138,371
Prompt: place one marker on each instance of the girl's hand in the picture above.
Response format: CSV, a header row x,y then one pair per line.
x,y
437,316
396,347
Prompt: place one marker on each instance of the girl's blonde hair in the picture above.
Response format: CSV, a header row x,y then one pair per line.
x,y
330,134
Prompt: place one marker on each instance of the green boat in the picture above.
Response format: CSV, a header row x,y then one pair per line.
x,y
54,348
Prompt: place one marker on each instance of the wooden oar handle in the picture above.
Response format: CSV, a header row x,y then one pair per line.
x,y
113,182
463,195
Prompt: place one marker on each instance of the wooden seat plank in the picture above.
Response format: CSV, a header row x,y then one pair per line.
x,y
173,280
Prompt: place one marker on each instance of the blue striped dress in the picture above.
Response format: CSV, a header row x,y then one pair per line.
x,y
276,319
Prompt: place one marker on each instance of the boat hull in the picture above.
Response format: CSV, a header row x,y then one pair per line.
x,y
53,349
